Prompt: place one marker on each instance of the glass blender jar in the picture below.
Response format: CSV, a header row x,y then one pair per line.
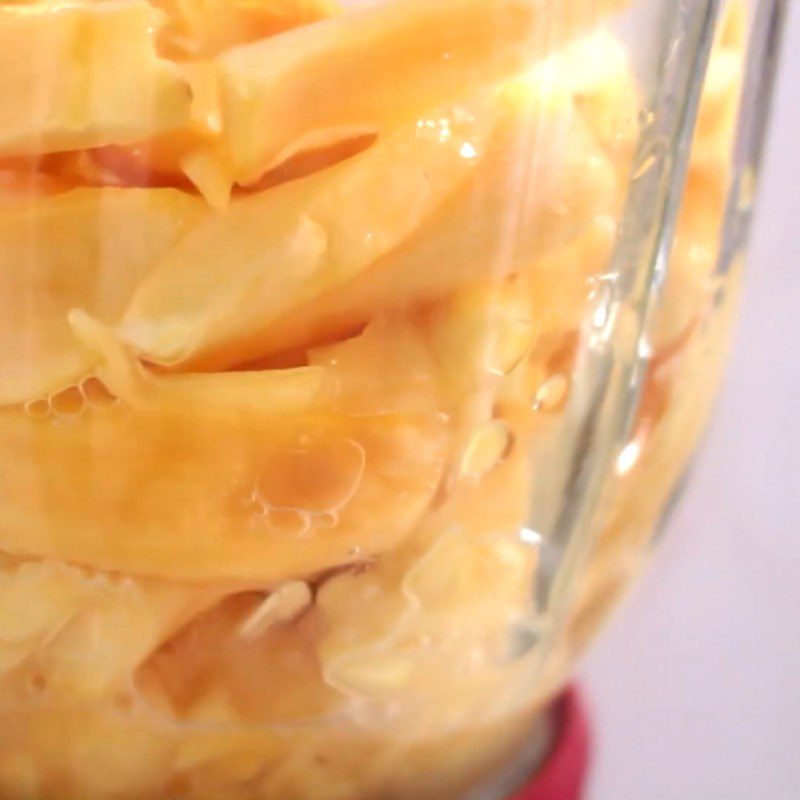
x,y
350,356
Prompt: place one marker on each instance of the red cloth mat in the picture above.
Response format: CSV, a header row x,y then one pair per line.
x,y
563,775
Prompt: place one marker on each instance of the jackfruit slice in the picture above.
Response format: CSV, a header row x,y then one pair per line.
x,y
478,336
82,75
541,183
415,627
416,610
265,679
373,68
88,248
596,72
199,29
80,751
79,636
209,300
168,483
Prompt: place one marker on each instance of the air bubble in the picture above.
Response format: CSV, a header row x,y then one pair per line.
x,y
97,394
294,522
303,489
68,402
316,479
531,538
288,521
39,408
602,297
600,316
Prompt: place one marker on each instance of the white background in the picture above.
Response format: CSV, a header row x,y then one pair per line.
x,y
695,686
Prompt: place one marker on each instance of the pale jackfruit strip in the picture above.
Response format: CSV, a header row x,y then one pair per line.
x,y
83,75
166,483
199,29
371,69
290,243
86,248
541,182
84,633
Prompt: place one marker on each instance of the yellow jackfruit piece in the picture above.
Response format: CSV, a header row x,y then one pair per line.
x,y
203,28
560,283
173,483
371,69
477,336
88,248
540,184
214,675
84,74
82,635
208,302
418,627
596,72
76,752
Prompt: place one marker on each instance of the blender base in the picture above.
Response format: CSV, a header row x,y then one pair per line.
x,y
563,774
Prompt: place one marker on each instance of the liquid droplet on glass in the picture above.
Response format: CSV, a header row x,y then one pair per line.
x,y
486,448
467,150
644,166
515,338
629,456
646,118
602,297
650,158
552,393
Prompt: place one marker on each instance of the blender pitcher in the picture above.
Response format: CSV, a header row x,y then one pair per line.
x,y
350,355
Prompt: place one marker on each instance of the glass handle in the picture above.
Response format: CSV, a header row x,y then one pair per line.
x,y
609,375
763,54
